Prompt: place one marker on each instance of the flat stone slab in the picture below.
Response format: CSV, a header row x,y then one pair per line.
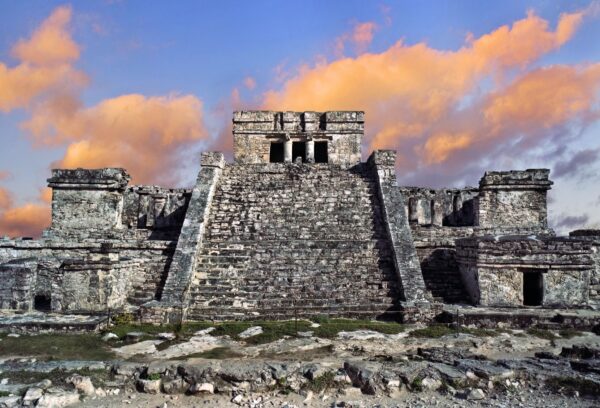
x,y
50,321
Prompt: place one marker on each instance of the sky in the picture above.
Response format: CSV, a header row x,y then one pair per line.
x,y
456,87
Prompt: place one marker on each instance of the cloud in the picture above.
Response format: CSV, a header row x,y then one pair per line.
x,y
570,222
45,64
146,135
360,38
578,161
51,43
250,83
26,220
449,114
5,175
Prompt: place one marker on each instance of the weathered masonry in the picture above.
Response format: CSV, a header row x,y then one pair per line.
x,y
297,225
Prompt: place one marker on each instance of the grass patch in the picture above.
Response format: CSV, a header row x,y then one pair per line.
x,y
541,333
57,376
322,383
571,384
434,331
570,333
440,330
218,353
329,328
4,394
154,377
272,330
57,346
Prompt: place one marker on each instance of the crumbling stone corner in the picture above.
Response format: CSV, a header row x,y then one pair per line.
x,y
405,256
182,267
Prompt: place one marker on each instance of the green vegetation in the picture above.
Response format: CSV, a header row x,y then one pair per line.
x,y
58,377
4,394
570,333
440,330
541,333
272,330
572,384
322,383
56,346
154,377
329,328
417,384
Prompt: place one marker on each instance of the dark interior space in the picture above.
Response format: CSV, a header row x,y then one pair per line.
x,y
42,303
320,152
276,153
533,288
299,150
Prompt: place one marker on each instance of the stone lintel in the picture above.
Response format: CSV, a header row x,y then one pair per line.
x,y
530,179
89,179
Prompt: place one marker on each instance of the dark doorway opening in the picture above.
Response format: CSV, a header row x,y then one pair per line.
x,y
299,150
533,288
276,153
321,152
42,303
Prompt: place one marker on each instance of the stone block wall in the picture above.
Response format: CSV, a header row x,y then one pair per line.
x,y
593,238
492,269
86,277
451,207
87,200
254,131
509,199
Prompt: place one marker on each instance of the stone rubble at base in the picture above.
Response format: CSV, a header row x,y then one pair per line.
x,y
297,226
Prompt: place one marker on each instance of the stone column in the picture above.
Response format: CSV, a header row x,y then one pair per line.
x,y
287,151
310,151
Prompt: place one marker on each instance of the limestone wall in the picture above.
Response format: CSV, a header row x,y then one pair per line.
x,y
440,207
254,131
82,277
492,269
509,199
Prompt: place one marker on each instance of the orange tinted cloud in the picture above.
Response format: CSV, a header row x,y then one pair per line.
x,y
51,43
142,134
45,64
439,107
250,83
27,220
360,38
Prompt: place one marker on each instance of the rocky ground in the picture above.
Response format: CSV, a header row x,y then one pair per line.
x,y
322,365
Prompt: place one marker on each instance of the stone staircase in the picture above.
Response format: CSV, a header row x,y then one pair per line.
x,y
287,240
442,277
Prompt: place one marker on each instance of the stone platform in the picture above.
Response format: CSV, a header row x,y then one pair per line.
x,y
581,319
29,322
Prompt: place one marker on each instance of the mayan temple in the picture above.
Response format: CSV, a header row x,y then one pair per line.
x,y
297,225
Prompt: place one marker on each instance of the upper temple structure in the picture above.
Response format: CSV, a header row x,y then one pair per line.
x,y
297,225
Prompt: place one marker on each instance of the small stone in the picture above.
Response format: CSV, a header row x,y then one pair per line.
x,y
251,332
4,381
238,399
204,332
202,388
476,394
10,402
109,337
149,386
58,400
15,335
31,396
82,384
166,336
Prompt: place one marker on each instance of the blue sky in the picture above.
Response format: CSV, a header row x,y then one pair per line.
x,y
228,55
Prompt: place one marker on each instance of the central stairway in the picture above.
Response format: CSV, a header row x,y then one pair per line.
x,y
285,240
